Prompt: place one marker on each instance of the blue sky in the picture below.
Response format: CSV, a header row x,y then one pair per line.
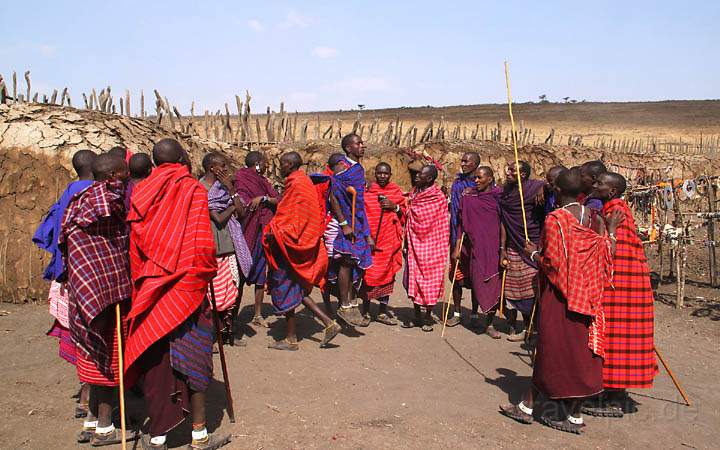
x,y
318,55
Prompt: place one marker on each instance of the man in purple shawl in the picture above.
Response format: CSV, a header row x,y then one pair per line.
x,y
46,237
352,247
480,221
260,199
232,252
521,276
464,180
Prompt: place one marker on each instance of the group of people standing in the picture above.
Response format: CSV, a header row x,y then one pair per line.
x,y
145,254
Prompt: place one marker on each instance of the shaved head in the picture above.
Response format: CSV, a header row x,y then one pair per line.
x,y
474,157
211,159
82,162
118,151
615,180
168,151
105,165
292,158
140,166
594,168
569,183
253,158
334,159
431,170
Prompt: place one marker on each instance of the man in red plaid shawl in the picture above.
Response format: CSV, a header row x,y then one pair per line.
x,y
629,311
576,262
427,236
94,239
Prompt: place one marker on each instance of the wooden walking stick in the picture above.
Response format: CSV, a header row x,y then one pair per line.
x,y
382,213
502,292
672,377
121,376
218,334
452,285
353,193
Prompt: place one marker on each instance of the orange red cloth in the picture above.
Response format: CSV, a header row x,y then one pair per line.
x,y
297,228
387,257
172,255
578,262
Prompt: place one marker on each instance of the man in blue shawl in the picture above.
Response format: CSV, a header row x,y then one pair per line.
x,y
352,248
465,179
46,238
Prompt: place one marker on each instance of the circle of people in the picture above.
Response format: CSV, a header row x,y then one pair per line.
x,y
144,242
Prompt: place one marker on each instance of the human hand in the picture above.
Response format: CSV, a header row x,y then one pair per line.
x,y
529,248
504,262
614,219
347,231
387,205
225,178
255,203
371,243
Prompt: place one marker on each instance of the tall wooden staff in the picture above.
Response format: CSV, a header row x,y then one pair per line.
x,y
218,334
118,327
519,182
353,193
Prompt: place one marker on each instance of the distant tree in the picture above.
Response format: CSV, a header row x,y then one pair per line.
x,y
573,101
566,99
361,106
543,98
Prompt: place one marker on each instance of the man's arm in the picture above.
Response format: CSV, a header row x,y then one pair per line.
x,y
337,213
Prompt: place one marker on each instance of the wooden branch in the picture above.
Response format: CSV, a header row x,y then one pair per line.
x,y
142,103
127,102
27,80
14,77
53,98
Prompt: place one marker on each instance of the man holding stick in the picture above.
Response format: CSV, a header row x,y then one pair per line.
x,y
172,258
427,235
629,311
521,279
94,237
385,207
575,258
353,245
295,252
464,180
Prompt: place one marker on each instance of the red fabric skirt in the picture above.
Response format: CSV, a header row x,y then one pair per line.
x,y
520,279
224,283
564,365
374,292
87,369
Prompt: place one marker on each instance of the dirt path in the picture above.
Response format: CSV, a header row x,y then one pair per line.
x,y
383,387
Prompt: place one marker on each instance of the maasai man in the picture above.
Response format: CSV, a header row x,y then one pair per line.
x,y
480,221
464,180
575,262
46,238
172,260
385,206
140,168
94,238
233,254
352,247
295,252
520,280
550,177
260,199
322,186
427,236
589,172
629,311
121,153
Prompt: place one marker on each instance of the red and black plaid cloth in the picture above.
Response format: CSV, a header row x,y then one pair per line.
x,y
629,311
427,234
578,262
94,239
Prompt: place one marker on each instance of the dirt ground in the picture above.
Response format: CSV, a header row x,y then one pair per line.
x,y
382,387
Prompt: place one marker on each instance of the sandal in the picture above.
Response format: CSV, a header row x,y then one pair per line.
x,y
365,321
284,345
147,445
601,407
259,321
516,336
331,331
81,410
412,324
386,318
562,425
427,326
112,438
85,435
514,412
453,321
492,332
212,442
350,316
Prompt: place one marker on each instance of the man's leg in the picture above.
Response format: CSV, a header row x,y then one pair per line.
x,y
384,314
326,301
523,411
290,342
200,437
331,327
105,432
257,317
347,311
454,319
